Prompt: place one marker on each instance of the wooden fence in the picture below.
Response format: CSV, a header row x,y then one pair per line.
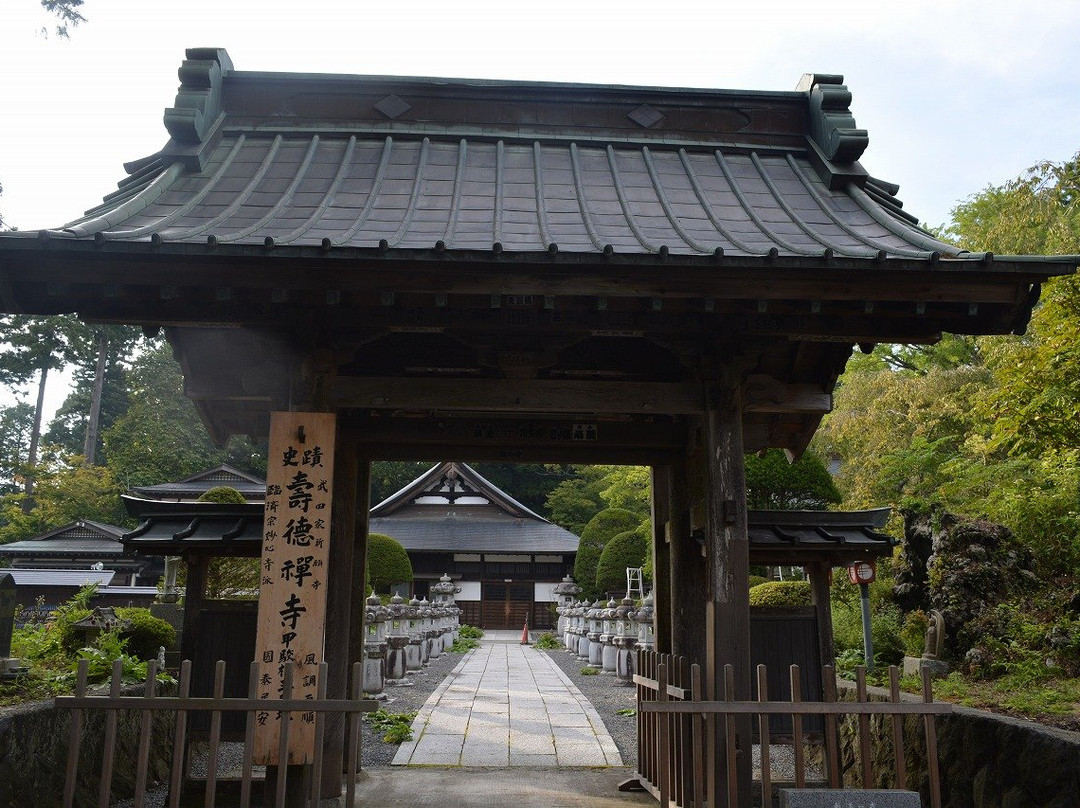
x,y
185,706
673,719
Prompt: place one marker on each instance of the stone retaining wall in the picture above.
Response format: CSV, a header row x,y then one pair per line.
x,y
986,760
33,753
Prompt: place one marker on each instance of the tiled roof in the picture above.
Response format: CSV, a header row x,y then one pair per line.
x,y
839,536
290,160
465,530
198,484
468,193
48,577
84,538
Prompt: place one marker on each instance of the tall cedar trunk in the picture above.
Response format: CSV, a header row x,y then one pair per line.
x,y
90,445
35,436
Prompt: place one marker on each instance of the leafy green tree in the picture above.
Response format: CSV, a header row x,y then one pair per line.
x,y
66,492
387,563
774,483
16,425
160,437
573,502
34,346
390,476
528,483
68,15
597,533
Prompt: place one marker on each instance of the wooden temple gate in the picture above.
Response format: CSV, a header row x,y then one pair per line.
x,y
522,272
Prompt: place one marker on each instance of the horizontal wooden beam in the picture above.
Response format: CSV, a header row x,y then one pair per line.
x,y
517,396
765,394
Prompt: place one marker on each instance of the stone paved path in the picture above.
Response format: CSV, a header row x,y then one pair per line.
x,y
507,704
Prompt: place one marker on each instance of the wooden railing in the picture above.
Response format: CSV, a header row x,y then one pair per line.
x,y
184,705
673,721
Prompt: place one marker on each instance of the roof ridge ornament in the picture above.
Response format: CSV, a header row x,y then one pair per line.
x,y
832,125
198,100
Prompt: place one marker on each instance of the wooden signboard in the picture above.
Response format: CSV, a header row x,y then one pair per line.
x,y
292,592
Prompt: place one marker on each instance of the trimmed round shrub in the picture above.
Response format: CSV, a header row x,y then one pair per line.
x,y
600,529
758,579
626,549
147,633
387,562
223,495
781,593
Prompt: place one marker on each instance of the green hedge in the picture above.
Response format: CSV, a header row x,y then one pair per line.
x,y
387,563
758,579
223,495
598,532
626,549
147,633
781,593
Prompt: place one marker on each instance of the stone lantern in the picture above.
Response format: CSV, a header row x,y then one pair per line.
x,y
566,591
643,619
414,651
442,594
375,615
607,637
568,636
595,626
625,642
433,650
583,631
397,640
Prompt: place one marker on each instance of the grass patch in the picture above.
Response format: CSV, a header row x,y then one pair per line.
x,y
547,642
395,727
463,644
587,671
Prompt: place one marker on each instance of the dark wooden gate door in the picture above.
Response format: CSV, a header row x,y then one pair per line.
x,y
505,605
780,638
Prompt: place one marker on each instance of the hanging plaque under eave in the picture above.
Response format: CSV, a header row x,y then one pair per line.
x,y
292,591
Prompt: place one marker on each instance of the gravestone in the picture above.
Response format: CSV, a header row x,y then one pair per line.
x,y
848,798
9,668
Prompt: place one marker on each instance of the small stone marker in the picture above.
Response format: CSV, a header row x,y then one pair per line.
x,y
848,798
9,668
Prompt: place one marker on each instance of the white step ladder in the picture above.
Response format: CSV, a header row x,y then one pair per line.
x,y
633,583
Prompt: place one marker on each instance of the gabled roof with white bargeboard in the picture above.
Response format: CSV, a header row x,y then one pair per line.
x,y
452,508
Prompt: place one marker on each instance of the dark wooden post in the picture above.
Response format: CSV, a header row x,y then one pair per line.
x,y
661,555
194,591
819,596
358,574
728,609
339,599
687,572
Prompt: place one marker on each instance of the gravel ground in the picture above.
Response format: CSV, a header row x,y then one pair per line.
x,y
408,699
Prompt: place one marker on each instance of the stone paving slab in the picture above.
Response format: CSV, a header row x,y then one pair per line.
x,y
507,705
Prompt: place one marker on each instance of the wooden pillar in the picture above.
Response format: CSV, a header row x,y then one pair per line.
x,y
687,571
358,570
194,591
661,564
339,599
819,596
728,609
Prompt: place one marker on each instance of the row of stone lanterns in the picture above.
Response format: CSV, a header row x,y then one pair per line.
x,y
606,636
403,637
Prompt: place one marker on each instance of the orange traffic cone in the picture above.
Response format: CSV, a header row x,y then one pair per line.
x,y
525,634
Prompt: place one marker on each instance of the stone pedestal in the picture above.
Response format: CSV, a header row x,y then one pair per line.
x,y
608,653
414,657
596,651
626,660
374,667
914,666
395,658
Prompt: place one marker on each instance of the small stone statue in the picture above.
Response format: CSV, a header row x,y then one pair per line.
x,y
935,636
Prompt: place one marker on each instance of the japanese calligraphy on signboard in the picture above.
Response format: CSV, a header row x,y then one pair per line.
x,y
292,592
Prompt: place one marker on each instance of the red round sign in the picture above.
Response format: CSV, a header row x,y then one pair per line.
x,y
861,572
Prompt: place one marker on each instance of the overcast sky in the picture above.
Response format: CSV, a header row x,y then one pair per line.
x,y
956,94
